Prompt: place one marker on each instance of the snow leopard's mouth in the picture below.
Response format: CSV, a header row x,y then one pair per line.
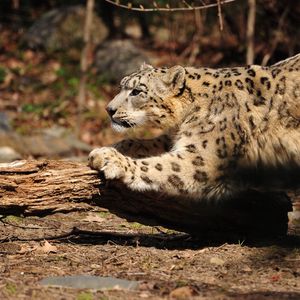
x,y
122,123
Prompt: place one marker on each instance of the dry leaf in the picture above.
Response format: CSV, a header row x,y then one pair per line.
x,y
47,248
217,261
26,249
184,292
246,269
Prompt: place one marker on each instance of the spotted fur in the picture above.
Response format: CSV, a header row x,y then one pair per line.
x,y
226,130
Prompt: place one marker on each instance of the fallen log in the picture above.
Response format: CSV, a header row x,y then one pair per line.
x,y
45,187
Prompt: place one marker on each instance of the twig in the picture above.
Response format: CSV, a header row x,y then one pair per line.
x,y
185,3
276,39
75,231
169,9
220,15
250,32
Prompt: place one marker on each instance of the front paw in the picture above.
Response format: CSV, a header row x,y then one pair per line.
x,y
108,161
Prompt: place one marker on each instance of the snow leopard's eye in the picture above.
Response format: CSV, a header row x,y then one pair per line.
x,y
135,92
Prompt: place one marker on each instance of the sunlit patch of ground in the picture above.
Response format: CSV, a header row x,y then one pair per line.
x,y
165,262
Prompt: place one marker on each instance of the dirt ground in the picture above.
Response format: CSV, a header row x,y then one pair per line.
x,y
168,264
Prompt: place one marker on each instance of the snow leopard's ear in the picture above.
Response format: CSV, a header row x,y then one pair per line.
x,y
175,77
145,66
124,80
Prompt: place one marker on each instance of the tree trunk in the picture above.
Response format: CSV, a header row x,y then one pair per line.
x,y
84,61
45,187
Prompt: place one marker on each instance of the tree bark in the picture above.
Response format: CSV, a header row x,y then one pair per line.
x,y
45,187
84,61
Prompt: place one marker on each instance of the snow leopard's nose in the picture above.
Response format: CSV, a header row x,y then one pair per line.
x,y
111,111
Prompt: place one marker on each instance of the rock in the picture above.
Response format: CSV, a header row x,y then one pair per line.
x,y
46,146
4,122
115,59
54,142
62,28
76,144
54,131
58,133
90,282
8,154
47,143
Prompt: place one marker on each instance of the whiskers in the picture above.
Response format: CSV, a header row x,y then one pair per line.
x,y
117,127
124,122
122,125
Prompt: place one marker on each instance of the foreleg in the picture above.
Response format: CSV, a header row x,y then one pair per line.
x,y
180,173
138,148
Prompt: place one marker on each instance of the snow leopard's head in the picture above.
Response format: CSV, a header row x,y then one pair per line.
x,y
149,97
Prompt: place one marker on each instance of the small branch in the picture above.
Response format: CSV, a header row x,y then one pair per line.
x,y
250,31
169,9
185,3
220,15
276,38
108,234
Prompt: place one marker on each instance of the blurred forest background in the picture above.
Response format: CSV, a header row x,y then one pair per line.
x,y
45,63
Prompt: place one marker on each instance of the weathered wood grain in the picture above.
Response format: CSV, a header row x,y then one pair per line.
x,y
45,187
